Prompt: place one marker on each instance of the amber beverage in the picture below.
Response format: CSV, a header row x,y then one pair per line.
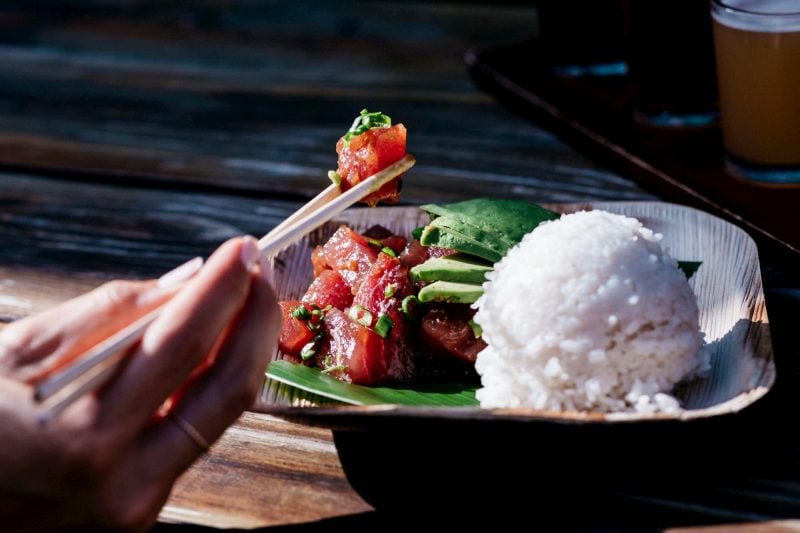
x,y
757,46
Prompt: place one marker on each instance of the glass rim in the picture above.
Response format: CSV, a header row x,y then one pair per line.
x,y
749,12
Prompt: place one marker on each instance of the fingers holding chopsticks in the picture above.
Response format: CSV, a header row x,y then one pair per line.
x,y
211,399
185,335
217,396
41,344
110,461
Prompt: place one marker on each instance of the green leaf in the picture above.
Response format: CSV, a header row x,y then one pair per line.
x,y
511,219
689,267
437,235
314,381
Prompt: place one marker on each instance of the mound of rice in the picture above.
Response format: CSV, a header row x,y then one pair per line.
x,y
587,313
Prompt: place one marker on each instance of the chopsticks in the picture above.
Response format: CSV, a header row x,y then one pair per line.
x,y
92,368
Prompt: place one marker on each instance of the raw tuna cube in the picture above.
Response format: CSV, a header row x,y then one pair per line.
x,y
329,289
350,254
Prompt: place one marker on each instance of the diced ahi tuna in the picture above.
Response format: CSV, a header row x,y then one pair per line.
x,y
445,333
352,352
381,292
350,254
438,251
368,153
295,332
318,261
396,242
328,288
375,293
415,254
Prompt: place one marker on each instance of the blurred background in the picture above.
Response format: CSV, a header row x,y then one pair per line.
x,y
245,99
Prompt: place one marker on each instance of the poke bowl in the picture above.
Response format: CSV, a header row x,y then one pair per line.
x,y
440,455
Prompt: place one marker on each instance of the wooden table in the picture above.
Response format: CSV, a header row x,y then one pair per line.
x,y
135,135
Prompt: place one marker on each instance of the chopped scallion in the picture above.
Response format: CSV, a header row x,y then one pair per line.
x,y
384,325
337,368
301,313
477,330
365,121
358,314
308,351
388,292
334,177
410,307
388,251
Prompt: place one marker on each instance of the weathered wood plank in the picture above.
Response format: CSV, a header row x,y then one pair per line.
x,y
252,96
264,472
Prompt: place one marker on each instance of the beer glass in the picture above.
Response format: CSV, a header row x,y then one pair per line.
x,y
757,45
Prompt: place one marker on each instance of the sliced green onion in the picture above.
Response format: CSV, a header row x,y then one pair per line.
x,y
329,369
365,121
384,325
308,351
388,292
476,328
388,251
334,177
358,314
301,313
410,307
375,243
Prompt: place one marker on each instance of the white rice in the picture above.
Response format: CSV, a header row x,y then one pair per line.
x,y
588,313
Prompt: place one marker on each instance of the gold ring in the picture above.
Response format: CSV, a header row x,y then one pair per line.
x,y
190,432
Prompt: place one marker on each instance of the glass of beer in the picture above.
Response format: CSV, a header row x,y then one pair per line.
x,y
757,45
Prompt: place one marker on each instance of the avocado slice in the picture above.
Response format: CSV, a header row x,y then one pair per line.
x,y
457,267
451,292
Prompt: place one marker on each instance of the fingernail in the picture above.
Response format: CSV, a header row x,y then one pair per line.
x,y
249,253
266,271
178,275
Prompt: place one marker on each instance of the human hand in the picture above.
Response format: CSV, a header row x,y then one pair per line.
x,y
111,458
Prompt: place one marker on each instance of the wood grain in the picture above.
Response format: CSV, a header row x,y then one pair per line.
x,y
263,472
246,97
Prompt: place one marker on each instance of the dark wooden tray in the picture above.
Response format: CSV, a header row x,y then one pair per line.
x,y
594,115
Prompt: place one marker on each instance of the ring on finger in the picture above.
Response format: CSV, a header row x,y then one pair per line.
x,y
190,431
